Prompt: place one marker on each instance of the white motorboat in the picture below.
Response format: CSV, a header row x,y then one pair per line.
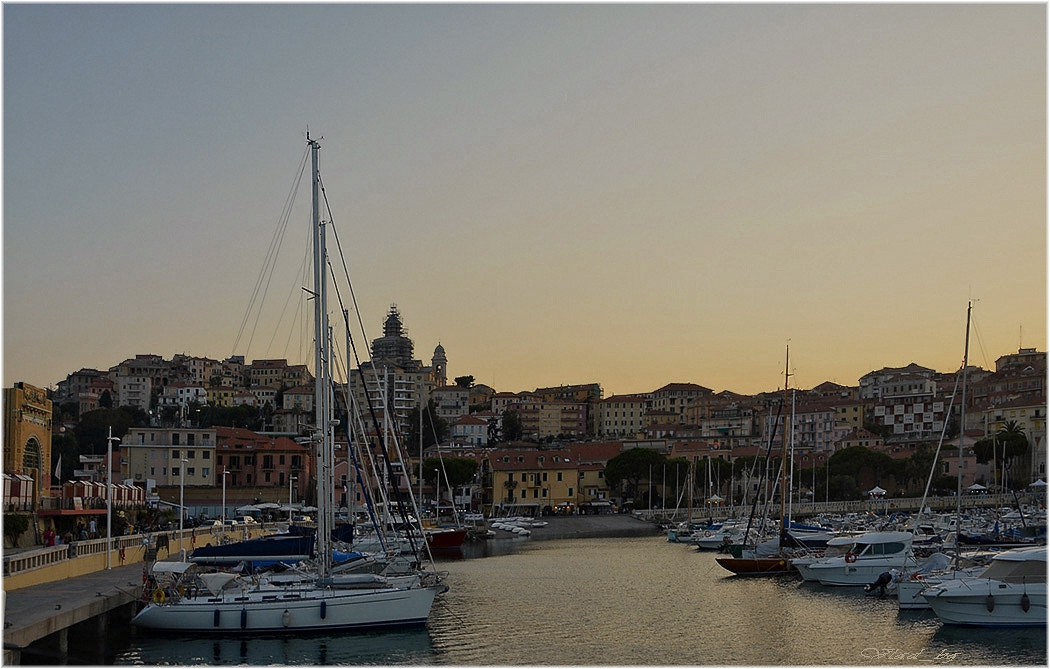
x,y
1010,592
933,570
836,546
326,599
874,554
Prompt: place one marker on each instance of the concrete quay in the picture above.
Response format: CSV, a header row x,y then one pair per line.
x,y
39,618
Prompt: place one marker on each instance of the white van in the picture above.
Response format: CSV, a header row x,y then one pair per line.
x,y
245,520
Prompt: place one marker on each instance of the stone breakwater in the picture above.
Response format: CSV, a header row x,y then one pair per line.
x,y
587,527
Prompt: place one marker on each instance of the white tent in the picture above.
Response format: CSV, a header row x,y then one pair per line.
x,y
876,492
976,487
1039,483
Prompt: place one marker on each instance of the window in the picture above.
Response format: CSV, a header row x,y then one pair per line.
x,y
205,472
570,492
524,478
191,455
152,471
281,460
206,455
559,476
175,455
175,471
189,440
175,439
190,471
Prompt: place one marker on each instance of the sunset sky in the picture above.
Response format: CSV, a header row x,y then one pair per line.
x,y
631,195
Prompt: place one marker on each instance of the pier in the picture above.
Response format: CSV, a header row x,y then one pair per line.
x,y
54,593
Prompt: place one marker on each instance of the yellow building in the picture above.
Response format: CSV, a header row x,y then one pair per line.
x,y
27,436
533,480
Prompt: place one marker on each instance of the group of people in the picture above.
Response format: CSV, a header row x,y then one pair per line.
x,y
51,538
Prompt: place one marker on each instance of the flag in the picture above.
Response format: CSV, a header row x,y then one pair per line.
x,y
58,467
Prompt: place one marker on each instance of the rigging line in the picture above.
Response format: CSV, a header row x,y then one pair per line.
x,y
980,341
346,273
296,289
381,434
291,331
271,253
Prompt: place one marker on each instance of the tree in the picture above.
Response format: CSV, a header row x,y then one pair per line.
x,y
1009,442
512,427
857,461
631,467
465,381
459,471
15,524
64,446
435,428
93,429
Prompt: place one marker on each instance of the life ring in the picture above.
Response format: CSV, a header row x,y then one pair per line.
x,y
707,533
159,597
851,557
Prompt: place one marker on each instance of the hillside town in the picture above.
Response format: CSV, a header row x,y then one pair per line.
x,y
212,435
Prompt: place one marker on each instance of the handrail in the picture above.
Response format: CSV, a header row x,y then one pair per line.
x,y
46,556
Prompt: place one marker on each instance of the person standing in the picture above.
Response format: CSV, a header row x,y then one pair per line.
x,y
92,529
49,537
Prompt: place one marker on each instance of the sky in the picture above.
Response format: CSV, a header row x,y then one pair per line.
x,y
624,194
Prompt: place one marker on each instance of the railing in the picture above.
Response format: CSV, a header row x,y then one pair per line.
x,y
807,509
47,556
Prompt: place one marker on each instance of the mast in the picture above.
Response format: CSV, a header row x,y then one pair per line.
x,y
962,429
783,450
322,406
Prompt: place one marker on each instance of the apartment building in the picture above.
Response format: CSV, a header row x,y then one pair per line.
x,y
156,455
469,430
451,402
621,416
179,394
676,397
533,479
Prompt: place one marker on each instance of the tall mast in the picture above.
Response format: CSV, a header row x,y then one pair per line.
x,y
784,447
322,404
962,425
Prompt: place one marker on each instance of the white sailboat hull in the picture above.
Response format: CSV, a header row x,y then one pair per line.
x,y
290,612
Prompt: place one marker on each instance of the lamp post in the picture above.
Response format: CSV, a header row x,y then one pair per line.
x,y
225,473
182,512
290,479
109,496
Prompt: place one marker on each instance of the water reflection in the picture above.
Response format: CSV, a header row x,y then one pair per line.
x,y
408,647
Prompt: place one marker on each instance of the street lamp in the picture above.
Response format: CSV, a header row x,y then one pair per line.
x,y
109,496
290,479
182,508
225,473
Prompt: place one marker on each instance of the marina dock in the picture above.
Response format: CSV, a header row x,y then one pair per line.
x,y
42,616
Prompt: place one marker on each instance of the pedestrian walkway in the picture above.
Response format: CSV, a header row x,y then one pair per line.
x,y
35,612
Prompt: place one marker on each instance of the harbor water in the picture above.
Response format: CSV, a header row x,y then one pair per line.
x,y
620,601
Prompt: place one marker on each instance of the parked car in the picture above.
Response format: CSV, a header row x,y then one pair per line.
x,y
230,522
246,520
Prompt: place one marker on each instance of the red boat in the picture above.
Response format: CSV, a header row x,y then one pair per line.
x,y
445,537
756,566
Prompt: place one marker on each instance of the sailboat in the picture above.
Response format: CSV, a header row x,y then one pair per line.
x,y
190,602
757,562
